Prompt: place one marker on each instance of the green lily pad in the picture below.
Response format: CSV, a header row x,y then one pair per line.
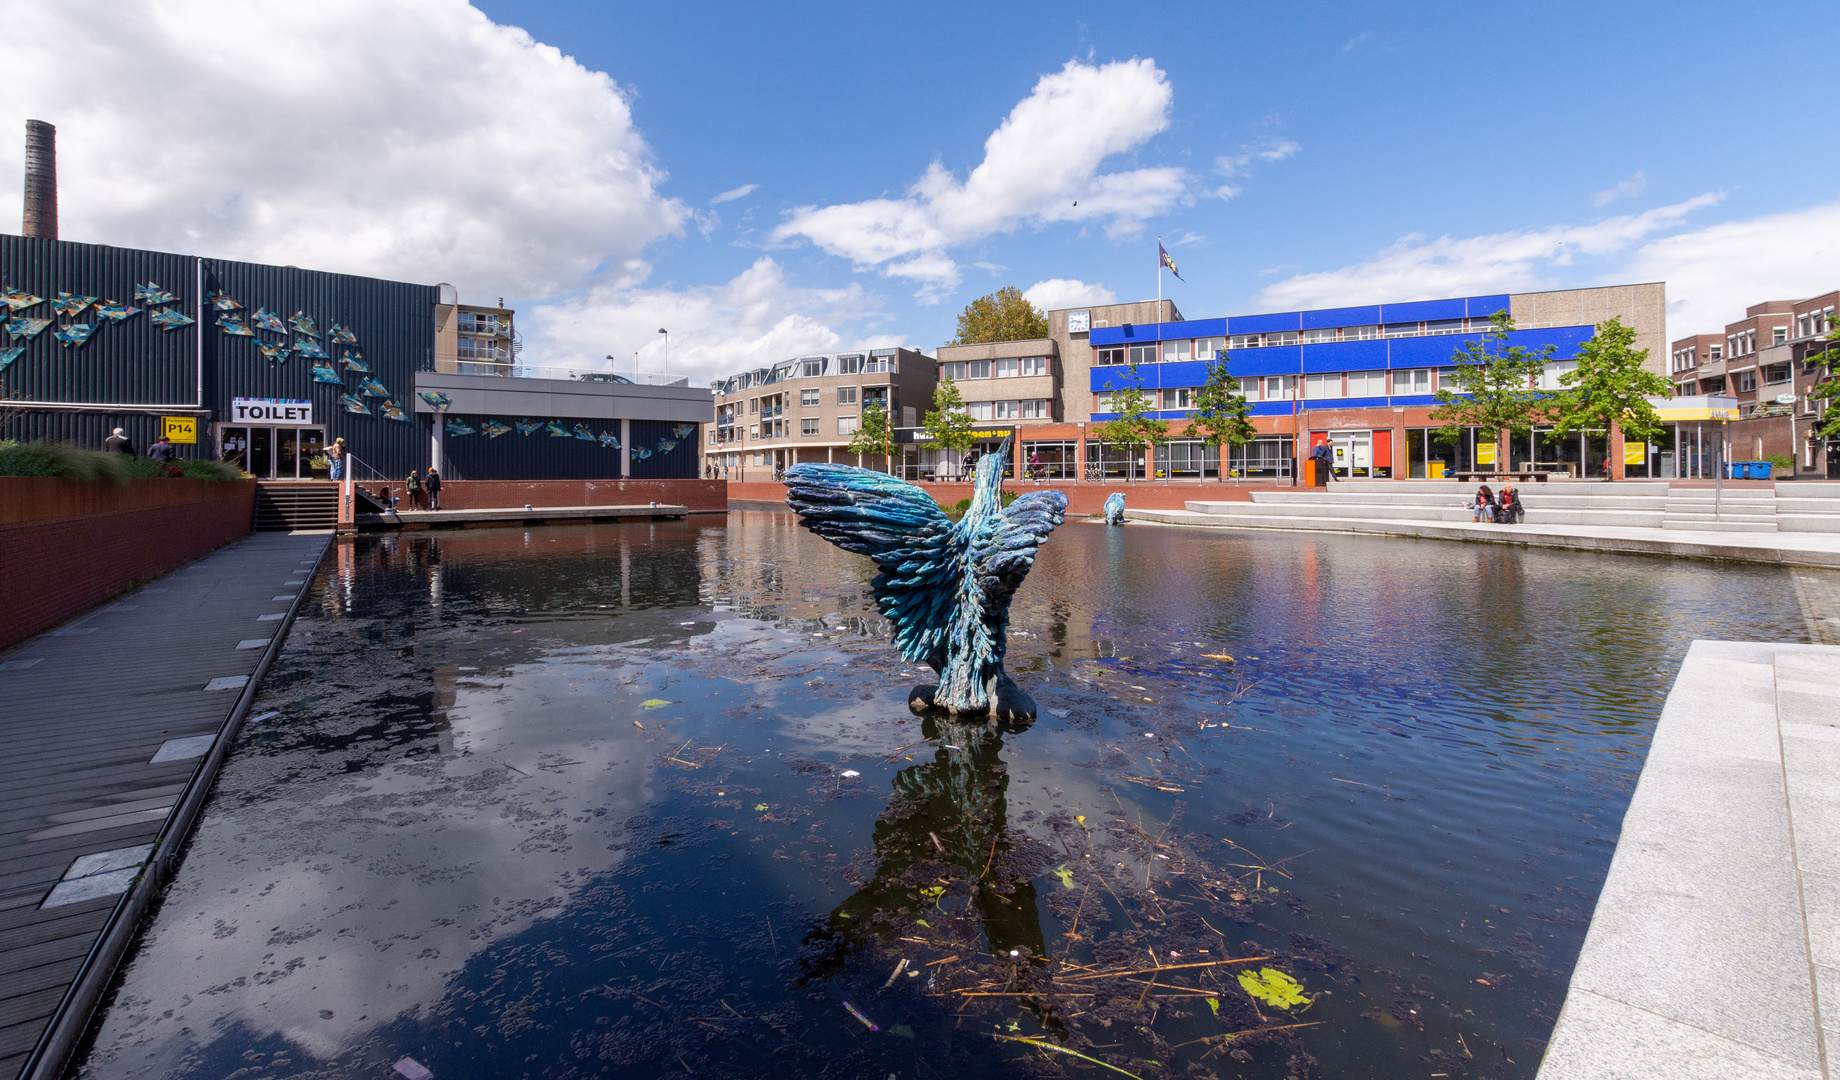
x,y
1273,987
1065,875
762,806
654,703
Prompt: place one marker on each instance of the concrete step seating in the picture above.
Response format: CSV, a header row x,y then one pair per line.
x,y
1638,504
1790,507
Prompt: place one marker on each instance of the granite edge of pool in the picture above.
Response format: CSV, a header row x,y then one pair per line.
x,y
1716,937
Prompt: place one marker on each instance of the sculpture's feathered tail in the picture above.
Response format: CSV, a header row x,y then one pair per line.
x,y
945,587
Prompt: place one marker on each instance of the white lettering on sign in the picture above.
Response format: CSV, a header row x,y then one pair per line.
x,y
245,410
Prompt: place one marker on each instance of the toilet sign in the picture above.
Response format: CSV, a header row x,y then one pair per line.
x,y
247,410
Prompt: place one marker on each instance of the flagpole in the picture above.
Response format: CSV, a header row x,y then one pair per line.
x,y
1159,282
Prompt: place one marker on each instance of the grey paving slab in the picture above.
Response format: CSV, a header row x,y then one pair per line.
x,y
1714,949
104,727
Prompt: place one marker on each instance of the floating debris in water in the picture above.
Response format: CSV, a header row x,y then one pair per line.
x,y
858,1014
849,772
412,1069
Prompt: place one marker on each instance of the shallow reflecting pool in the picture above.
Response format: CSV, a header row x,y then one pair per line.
x,y
645,799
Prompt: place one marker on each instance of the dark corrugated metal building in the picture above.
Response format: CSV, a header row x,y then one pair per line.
x,y
273,362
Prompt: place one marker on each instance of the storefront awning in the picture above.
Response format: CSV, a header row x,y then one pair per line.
x,y
1702,407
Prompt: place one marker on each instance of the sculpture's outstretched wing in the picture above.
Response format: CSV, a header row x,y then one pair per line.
x,y
917,547
1005,545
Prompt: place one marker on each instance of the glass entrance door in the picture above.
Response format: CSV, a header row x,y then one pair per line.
x,y
261,452
233,447
274,453
1354,453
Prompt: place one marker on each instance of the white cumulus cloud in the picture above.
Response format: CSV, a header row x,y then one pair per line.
x,y
753,320
411,139
1623,190
1040,166
1056,293
1714,273
1418,269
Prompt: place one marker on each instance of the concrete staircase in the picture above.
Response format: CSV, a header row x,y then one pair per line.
x,y
1751,510
287,505
1808,507
1636,503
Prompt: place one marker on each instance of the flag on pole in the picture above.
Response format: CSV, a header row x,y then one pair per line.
x,y
1163,259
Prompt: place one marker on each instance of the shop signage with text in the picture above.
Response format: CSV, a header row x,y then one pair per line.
x,y
179,429
247,410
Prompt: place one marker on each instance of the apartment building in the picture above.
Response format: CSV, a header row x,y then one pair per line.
x,y
808,409
1768,361
472,339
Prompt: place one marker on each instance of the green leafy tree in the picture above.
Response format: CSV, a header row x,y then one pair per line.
x,y
1221,411
1609,388
1827,426
948,425
1134,426
873,435
1494,387
1004,315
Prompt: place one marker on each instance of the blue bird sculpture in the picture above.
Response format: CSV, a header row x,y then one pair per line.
x,y
945,586
1114,508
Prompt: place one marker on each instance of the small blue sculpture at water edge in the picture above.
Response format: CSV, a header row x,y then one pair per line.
x,y
1114,508
944,586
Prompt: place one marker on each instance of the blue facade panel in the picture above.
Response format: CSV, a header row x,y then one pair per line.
x,y
1415,399
1265,324
1139,333
1192,373
1345,356
1481,307
1423,309
1427,351
1195,328
1280,360
1271,408
1341,316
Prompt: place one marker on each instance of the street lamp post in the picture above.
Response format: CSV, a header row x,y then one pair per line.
x,y
667,350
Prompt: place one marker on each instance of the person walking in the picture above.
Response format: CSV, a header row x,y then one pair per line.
x,y
335,456
163,451
1324,456
413,485
118,443
433,486
1483,509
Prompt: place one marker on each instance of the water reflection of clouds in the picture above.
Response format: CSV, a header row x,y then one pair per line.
x,y
338,906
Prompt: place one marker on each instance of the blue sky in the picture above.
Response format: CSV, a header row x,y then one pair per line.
x,y
568,155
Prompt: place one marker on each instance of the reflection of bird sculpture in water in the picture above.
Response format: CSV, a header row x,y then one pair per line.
x,y
945,586
1114,508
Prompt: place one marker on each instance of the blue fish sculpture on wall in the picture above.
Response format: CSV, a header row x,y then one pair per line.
x,y
355,362
322,373
114,312
309,347
171,319
610,441
373,388
557,431
7,356
944,585
19,299
529,427
265,319
354,405
69,304
1114,508
27,327
494,429
640,453
233,326
392,411
278,353
151,294
74,334
457,426
582,432
437,402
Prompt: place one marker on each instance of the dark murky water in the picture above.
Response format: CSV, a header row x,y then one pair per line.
x,y
638,800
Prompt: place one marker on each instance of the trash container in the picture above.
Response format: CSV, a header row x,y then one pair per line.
x,y
1748,470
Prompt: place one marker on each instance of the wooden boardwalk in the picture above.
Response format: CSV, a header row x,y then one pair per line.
x,y
111,727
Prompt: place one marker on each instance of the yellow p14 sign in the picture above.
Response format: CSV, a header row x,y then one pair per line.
x,y
180,429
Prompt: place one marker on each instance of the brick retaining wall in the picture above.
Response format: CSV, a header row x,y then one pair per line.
x,y
1082,499
704,496
66,546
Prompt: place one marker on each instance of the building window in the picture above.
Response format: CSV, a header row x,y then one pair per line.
x,y
1778,335
1205,348
1416,381
1367,384
1280,387
808,398
978,410
880,363
1002,410
1245,341
846,425
1032,365
977,369
753,405
1776,373
1444,326
850,364
1004,367
1288,337
1175,352
1033,409
811,369
808,425
1747,380
1143,354
875,395
1322,386
1319,336
1402,329
1716,352
1110,358
753,431
1360,333
955,372
1180,398
1102,403
1249,387
846,395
